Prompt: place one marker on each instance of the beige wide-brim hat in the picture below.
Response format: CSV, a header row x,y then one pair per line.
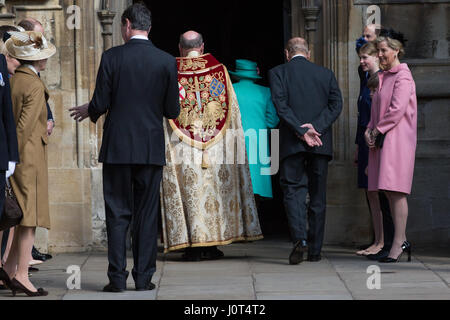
x,y
29,46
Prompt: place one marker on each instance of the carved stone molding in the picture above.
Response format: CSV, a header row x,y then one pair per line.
x,y
335,17
4,14
311,14
106,19
369,2
37,7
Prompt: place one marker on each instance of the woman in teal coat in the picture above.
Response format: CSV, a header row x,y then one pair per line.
x,y
258,117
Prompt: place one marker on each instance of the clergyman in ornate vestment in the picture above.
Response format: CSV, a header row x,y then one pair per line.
x,y
206,193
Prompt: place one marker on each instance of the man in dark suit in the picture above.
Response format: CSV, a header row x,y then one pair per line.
x,y
308,101
9,152
136,86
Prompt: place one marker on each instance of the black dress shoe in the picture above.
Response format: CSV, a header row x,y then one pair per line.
x,y
5,278
296,256
314,257
39,255
17,287
149,287
33,269
111,288
192,254
211,253
380,255
406,247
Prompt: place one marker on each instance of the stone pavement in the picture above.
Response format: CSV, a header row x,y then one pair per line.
x,y
258,270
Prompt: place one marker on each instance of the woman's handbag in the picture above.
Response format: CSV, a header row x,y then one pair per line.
x,y
12,214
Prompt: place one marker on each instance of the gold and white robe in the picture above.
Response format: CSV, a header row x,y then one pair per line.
x,y
213,206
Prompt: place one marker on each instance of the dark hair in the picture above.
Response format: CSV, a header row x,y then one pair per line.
x,y
373,82
191,44
139,16
4,35
28,24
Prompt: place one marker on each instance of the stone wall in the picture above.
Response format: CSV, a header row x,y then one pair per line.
x,y
77,210
76,202
426,25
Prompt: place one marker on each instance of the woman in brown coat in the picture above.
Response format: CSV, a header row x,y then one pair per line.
x,y
30,181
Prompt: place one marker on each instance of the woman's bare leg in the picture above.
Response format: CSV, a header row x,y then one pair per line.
x,y
377,221
9,243
19,258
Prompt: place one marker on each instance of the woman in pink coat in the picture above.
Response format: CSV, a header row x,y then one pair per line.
x,y
394,115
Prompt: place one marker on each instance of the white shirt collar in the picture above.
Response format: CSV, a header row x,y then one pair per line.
x,y
193,54
298,55
139,37
32,68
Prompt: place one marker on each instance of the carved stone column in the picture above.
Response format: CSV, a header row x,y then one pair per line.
x,y
5,16
335,57
311,14
106,19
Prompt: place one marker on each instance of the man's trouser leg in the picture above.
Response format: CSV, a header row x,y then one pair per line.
x,y
317,168
146,188
294,183
117,190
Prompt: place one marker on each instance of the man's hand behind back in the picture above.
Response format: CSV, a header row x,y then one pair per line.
x,y
311,137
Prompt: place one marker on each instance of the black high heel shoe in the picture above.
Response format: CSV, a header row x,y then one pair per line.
x,y
406,246
5,278
16,286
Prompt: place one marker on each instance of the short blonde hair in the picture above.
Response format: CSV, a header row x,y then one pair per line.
x,y
369,48
393,44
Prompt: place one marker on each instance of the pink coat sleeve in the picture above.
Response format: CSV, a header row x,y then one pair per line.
x,y
400,100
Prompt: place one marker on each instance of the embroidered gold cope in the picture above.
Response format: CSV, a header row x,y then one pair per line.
x,y
208,205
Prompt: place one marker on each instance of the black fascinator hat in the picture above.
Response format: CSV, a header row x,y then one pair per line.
x,y
391,33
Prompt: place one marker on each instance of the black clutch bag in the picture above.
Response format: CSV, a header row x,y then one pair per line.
x,y
379,140
12,214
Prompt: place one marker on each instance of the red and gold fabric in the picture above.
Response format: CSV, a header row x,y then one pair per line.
x,y
204,99
213,204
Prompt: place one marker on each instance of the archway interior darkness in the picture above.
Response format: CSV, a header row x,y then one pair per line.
x,y
232,29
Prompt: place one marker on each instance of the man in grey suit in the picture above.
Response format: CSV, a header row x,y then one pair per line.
x,y
308,101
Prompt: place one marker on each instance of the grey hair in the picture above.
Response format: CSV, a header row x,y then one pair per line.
x,y
297,45
192,43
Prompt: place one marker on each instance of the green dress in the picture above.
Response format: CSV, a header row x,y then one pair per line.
x,y
257,112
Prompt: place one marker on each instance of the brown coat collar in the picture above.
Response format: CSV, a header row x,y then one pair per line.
x,y
26,70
